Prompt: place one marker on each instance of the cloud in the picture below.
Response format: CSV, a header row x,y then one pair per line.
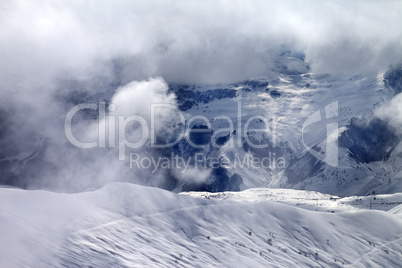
x,y
44,45
202,41
392,112
137,97
192,176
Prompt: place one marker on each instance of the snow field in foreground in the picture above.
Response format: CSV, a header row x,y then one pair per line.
x,y
125,225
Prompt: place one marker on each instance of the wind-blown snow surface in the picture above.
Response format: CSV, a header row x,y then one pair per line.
x,y
125,225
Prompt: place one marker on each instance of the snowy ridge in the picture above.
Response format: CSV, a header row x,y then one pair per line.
x,y
308,199
125,225
288,100
280,102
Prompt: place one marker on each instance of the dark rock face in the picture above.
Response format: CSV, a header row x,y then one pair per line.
x,y
187,96
223,182
255,84
200,135
275,94
393,79
222,140
369,141
219,181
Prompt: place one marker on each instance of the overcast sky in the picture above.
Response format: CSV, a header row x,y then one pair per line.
x,y
193,41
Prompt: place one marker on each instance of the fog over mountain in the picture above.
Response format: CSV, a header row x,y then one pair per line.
x,y
104,102
196,42
69,50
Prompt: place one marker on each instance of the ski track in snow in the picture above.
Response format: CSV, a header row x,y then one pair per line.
x,y
124,225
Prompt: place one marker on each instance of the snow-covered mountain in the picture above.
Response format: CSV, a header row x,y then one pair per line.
x,y
200,133
368,147
262,119
126,225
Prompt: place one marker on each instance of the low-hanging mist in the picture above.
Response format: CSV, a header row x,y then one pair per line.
x,y
54,55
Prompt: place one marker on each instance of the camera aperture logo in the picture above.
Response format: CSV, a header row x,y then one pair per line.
x,y
332,133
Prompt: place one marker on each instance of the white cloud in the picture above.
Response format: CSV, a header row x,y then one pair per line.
x,y
198,41
392,111
181,41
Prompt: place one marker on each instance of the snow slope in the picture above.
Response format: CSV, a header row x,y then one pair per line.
x,y
286,101
125,225
279,103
